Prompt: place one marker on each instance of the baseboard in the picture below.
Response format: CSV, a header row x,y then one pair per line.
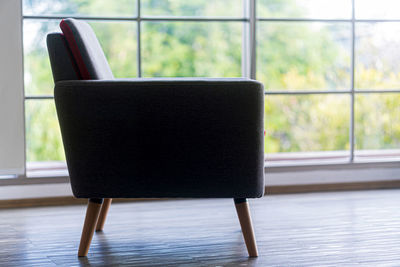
x,y
309,188
58,201
269,190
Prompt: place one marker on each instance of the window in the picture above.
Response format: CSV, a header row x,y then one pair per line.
x,y
332,78
329,67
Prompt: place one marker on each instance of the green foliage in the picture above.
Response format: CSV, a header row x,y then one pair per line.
x,y
118,40
229,8
290,56
44,139
184,49
306,123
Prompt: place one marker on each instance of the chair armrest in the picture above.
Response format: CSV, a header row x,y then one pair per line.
x,y
164,133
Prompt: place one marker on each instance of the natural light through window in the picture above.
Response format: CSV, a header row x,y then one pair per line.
x,y
330,68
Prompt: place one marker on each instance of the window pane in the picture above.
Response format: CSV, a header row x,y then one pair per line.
x,y
377,124
43,138
118,40
373,9
230,8
377,56
191,49
80,7
307,123
325,9
37,69
304,56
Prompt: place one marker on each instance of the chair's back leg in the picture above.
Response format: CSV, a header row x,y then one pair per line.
x,y
103,214
243,212
92,215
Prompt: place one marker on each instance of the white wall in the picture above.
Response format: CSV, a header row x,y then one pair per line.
x,y
12,155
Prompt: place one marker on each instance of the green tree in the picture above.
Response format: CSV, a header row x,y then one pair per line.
x,y
290,56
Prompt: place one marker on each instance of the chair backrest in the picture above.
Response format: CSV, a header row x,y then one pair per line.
x,y
62,64
77,54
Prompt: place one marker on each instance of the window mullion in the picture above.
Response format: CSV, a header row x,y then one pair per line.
x,y
139,53
351,135
252,13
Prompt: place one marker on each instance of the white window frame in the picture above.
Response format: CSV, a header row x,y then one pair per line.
x,y
291,173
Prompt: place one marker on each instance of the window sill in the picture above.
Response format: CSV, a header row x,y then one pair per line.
x,y
46,169
331,158
276,162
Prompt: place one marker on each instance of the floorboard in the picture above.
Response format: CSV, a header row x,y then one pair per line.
x,y
315,229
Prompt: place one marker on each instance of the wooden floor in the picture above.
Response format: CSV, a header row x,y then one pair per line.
x,y
318,229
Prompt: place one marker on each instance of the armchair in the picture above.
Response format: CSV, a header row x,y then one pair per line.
x,y
156,138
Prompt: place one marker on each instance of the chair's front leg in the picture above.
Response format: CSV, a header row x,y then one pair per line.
x,y
103,214
243,212
92,215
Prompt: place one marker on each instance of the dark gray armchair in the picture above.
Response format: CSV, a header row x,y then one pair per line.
x,y
156,138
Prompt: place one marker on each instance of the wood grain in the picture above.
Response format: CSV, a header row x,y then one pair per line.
x,y
243,212
91,218
315,229
103,214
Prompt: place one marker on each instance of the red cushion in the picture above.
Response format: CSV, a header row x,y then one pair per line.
x,y
69,37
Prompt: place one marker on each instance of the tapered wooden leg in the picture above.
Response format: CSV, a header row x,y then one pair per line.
x,y
92,215
103,214
243,212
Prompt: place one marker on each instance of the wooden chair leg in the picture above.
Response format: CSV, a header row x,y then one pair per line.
x,y
103,214
92,215
243,212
